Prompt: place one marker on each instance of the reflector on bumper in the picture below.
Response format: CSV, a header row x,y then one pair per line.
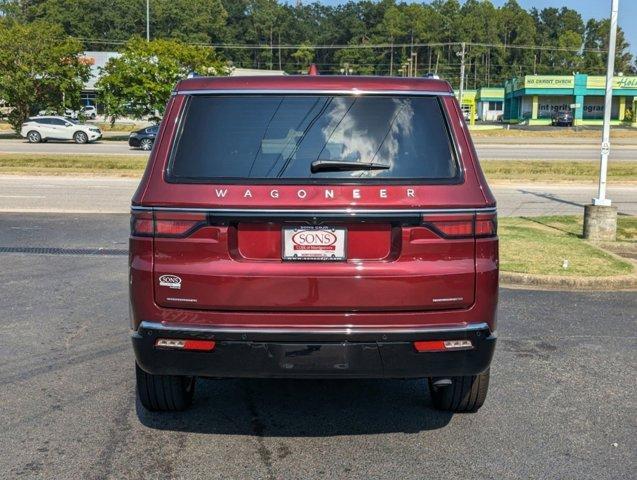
x,y
202,345
442,345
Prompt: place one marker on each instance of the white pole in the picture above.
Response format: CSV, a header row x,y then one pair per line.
x,y
148,20
461,92
605,147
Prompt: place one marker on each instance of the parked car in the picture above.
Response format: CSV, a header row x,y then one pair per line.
x,y
89,111
144,138
41,129
562,117
313,227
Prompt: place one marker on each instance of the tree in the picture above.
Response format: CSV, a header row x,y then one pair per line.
x,y
304,57
39,67
266,24
361,61
596,38
139,82
187,20
393,25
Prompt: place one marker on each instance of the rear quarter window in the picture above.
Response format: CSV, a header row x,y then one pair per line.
x,y
283,137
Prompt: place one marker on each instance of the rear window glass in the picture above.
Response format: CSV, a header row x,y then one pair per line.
x,y
312,137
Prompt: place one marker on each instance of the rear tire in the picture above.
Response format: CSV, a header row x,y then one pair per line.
x,y
80,137
34,137
465,394
146,144
164,393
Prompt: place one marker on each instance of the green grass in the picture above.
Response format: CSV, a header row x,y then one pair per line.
x,y
586,132
556,171
495,170
539,245
119,165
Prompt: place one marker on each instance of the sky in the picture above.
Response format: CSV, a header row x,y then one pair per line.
x,y
587,8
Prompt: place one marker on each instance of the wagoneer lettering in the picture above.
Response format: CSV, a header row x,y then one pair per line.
x,y
345,217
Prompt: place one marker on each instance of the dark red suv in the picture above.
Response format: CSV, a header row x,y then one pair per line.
x,y
313,227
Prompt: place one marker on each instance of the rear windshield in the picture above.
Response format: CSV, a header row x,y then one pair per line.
x,y
312,138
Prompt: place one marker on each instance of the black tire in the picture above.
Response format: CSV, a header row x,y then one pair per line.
x,y
146,144
34,136
465,394
164,393
80,137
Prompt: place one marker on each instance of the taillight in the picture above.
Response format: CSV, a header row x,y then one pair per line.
x,y
486,225
462,225
166,224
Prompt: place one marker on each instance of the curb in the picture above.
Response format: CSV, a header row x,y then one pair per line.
x,y
558,282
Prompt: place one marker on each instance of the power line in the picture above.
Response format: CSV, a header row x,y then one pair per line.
x,y
245,46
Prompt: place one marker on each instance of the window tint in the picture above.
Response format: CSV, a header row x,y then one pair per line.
x,y
57,121
275,136
43,121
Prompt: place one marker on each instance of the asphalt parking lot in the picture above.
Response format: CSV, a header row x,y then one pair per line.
x,y
561,405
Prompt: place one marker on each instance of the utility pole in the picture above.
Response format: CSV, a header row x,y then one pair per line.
x,y
415,57
148,20
461,54
600,218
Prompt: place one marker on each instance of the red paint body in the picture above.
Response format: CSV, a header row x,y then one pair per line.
x,y
232,273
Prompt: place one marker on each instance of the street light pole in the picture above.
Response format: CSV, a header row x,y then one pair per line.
x,y
608,98
600,218
461,92
148,20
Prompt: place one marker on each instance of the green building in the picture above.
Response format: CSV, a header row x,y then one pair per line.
x,y
533,98
490,103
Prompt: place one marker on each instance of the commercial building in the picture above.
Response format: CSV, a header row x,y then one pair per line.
x,y
97,61
484,104
467,103
533,98
490,103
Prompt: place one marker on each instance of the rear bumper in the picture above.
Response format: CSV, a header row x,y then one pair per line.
x,y
320,353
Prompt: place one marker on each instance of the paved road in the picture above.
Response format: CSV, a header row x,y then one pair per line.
x,y
111,147
524,151
487,150
561,404
112,195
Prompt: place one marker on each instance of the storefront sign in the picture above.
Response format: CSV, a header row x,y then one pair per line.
x,y
618,82
548,81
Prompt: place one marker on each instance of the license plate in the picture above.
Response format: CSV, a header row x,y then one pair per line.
x,y
314,243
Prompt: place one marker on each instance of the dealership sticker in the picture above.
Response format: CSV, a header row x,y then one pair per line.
x,y
170,281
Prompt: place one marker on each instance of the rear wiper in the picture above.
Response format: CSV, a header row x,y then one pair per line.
x,y
325,165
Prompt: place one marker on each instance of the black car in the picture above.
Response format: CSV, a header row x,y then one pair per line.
x,y
562,117
143,138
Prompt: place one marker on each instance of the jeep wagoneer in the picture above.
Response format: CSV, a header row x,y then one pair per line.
x,y
313,227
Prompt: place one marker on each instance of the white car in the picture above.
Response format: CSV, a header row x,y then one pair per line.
x,y
89,111
41,129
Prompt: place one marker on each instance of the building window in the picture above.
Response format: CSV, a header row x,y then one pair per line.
x,y
88,98
495,105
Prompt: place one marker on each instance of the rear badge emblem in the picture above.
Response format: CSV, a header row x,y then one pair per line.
x,y
170,281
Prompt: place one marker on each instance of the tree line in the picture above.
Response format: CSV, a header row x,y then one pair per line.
x,y
500,37
41,43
